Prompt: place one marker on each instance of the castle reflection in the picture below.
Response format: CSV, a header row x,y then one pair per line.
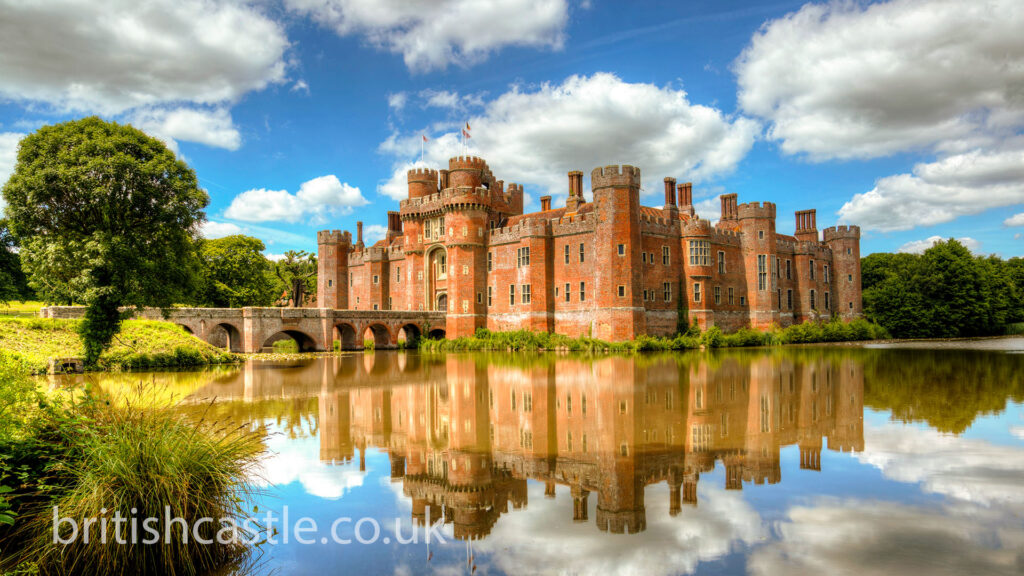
x,y
465,433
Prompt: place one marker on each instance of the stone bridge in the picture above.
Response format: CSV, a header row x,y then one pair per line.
x,y
314,329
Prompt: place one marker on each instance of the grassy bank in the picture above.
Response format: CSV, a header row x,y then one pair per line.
x,y
140,344
93,456
525,340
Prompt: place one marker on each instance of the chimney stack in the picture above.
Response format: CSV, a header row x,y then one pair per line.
x,y
545,203
729,210
359,233
685,194
670,191
575,191
394,222
443,180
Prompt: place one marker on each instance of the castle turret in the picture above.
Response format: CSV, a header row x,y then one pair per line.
x,y
333,247
466,171
760,250
844,241
618,293
422,182
465,218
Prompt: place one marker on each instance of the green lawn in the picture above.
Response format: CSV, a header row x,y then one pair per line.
x,y
141,344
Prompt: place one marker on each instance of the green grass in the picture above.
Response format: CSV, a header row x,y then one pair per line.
x,y
140,344
1015,329
29,309
92,456
525,340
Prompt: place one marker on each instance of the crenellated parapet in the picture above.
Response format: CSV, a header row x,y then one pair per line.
x,y
838,232
572,225
524,229
624,176
422,182
756,210
658,226
723,237
467,171
333,237
696,227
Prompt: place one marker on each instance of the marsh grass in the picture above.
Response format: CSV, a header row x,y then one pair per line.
x,y
99,455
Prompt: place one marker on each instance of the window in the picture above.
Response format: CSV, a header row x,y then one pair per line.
x,y
699,252
490,261
398,275
513,400
827,295
511,294
812,269
330,283
643,256
743,300
812,300
849,277
526,294
848,251
568,403
583,404
622,249
567,292
479,297
667,287
731,296
443,265
718,294
375,307
490,295
465,269
789,299
789,272
583,290
851,305
523,257
721,262
645,295
825,274
622,291
665,255
760,234
762,272
566,253
583,253
696,292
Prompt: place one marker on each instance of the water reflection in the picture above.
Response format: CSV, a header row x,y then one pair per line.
x,y
797,460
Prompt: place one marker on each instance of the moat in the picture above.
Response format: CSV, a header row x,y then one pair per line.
x,y
873,460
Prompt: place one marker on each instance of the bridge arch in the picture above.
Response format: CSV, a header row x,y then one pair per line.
x,y
305,342
186,328
412,334
225,335
381,334
347,334
436,333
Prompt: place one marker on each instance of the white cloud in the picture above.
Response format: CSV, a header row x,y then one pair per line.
x,y
938,192
212,230
919,246
450,100
316,198
373,233
8,156
300,86
435,34
397,101
273,257
1015,220
856,80
212,127
535,136
116,55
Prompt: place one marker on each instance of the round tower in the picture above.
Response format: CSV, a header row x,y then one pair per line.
x,y
422,182
844,241
757,222
467,171
617,248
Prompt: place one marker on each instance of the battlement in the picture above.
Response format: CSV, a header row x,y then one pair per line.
x,y
621,521
756,210
422,175
624,176
697,227
467,163
837,232
333,237
514,188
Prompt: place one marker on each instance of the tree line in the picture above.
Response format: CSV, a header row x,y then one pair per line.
x,y
946,292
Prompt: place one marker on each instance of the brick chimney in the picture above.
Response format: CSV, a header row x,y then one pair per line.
x,y
359,233
575,199
545,203
670,191
807,225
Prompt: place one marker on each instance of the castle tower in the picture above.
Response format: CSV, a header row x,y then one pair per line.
x,y
618,250
333,247
844,241
760,252
465,220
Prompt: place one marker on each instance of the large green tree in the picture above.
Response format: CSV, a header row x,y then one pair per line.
x,y
108,216
235,273
296,273
13,284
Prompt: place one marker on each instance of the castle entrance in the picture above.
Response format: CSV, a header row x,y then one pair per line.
x,y
437,279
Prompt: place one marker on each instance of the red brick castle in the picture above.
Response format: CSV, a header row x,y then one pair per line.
x,y
610,268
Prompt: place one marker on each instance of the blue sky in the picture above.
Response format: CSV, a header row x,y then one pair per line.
x,y
904,117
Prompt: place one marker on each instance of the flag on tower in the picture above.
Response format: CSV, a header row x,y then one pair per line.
x,y
425,139
467,127
465,134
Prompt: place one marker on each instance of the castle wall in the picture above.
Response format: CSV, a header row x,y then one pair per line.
x,y
641,270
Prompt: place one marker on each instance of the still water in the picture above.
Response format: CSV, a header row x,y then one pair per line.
x,y
785,461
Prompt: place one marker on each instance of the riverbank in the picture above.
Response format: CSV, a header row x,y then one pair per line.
x,y
527,341
140,344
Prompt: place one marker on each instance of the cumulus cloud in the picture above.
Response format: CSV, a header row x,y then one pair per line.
x,y
919,246
316,199
211,229
397,101
534,136
212,127
374,232
110,57
8,154
432,35
854,80
1015,220
449,100
938,192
